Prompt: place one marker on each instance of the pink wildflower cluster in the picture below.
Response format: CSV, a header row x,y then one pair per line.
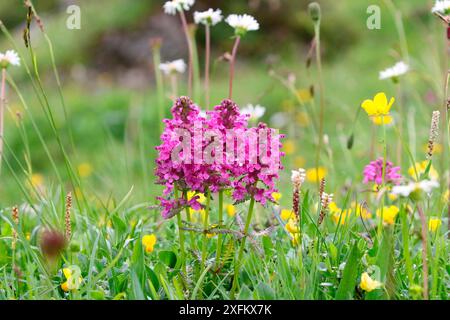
x,y
220,152
374,172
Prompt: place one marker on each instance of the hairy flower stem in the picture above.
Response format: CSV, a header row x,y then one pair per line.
x,y
219,237
191,52
2,114
423,222
205,228
181,235
238,262
232,64
322,100
207,63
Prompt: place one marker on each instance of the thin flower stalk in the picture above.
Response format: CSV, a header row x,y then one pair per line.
x,y
205,227
190,51
219,237
207,62
181,237
2,113
423,222
68,224
232,65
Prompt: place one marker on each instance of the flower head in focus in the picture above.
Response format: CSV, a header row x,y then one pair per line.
x,y
378,108
242,23
174,6
8,58
374,172
171,67
400,68
442,7
73,278
367,283
209,17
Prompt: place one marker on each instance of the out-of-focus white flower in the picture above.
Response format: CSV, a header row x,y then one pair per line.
x,y
10,57
242,23
441,6
298,177
176,66
171,7
397,70
255,112
424,185
209,17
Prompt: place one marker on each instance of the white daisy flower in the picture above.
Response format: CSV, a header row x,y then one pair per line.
x,y
208,17
397,70
10,57
441,6
171,7
425,185
242,23
255,112
176,66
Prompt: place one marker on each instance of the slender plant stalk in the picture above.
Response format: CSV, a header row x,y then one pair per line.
x,y
423,222
207,63
2,114
174,85
205,227
156,50
322,100
219,237
380,224
191,51
181,236
238,262
232,65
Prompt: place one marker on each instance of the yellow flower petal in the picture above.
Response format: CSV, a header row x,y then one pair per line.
x,y
65,287
286,214
367,283
231,210
67,273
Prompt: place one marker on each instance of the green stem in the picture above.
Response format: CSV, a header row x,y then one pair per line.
x,y
219,237
205,228
237,263
159,83
380,224
181,234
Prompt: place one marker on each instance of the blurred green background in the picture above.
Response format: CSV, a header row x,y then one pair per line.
x,y
108,84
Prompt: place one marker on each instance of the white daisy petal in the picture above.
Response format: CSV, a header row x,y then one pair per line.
x,y
208,17
176,66
397,70
242,23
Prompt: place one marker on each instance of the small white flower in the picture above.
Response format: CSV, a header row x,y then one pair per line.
x,y
441,6
10,57
171,7
208,17
176,66
424,185
397,70
298,177
242,23
255,112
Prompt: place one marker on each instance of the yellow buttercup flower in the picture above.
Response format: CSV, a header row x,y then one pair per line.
x,y
149,241
231,210
313,175
288,147
201,196
378,108
286,214
276,196
389,214
361,211
84,170
292,226
367,283
434,224
420,167
73,278
341,217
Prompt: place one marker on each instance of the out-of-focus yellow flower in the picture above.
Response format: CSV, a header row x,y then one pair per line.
x,y
276,196
28,236
288,147
302,119
437,148
342,216
434,224
37,180
299,162
73,278
368,284
286,214
389,214
445,196
378,109
333,208
420,168
295,239
304,95
292,226
201,196
84,170
212,234
313,175
361,211
231,210
149,241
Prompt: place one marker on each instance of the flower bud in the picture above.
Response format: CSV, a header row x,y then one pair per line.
x,y
314,11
